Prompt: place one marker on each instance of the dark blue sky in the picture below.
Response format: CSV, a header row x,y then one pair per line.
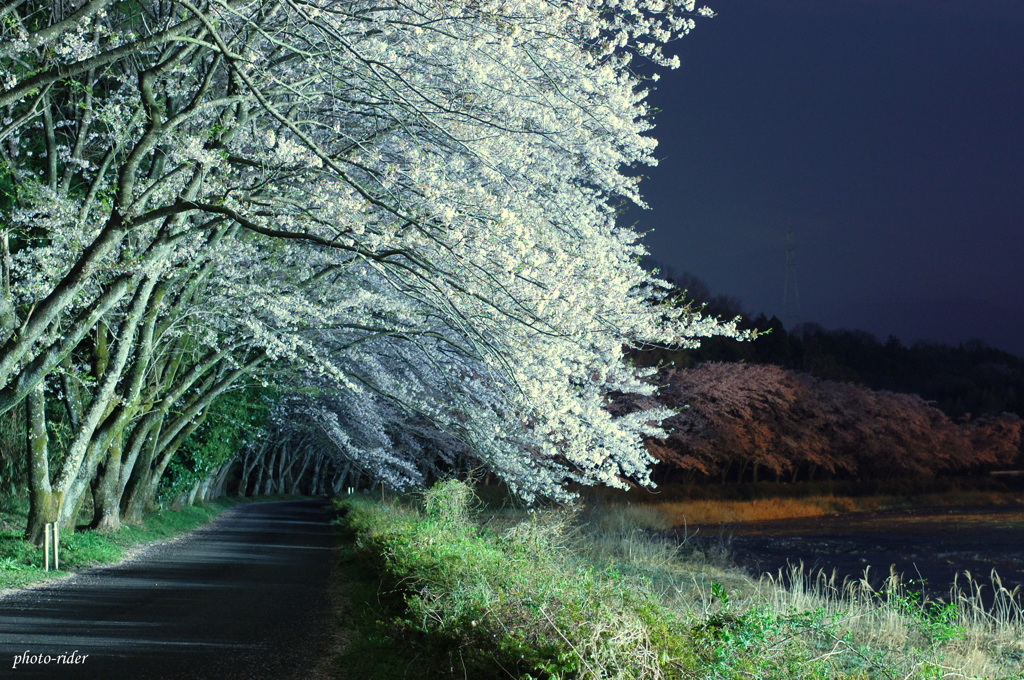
x,y
887,134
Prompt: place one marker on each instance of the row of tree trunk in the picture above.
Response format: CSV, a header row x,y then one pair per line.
x,y
297,467
111,416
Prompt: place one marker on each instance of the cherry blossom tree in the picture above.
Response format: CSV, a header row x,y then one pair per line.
x,y
737,419
411,206
996,439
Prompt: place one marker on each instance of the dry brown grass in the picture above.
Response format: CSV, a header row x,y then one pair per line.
x,y
990,638
705,511
719,512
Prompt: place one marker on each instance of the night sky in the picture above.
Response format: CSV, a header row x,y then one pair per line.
x,y
888,135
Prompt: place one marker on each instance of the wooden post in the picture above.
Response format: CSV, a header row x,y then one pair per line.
x,y
46,541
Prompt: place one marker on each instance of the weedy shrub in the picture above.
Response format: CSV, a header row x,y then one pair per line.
x,y
516,601
449,503
625,518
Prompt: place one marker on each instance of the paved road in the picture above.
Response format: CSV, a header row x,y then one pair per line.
x,y
244,598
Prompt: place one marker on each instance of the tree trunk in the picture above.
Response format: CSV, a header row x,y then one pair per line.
x,y
8,316
297,479
260,469
139,437
268,477
43,502
316,482
742,471
147,496
218,487
72,399
132,504
340,478
284,469
107,500
99,408
193,494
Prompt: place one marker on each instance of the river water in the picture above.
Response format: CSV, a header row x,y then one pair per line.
x,y
929,547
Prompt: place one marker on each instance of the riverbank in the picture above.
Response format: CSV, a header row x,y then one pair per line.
x,y
590,592
680,513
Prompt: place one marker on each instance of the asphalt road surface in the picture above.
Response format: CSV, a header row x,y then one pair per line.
x,y
242,598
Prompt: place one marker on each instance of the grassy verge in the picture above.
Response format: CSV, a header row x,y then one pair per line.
x,y
21,563
591,595
367,639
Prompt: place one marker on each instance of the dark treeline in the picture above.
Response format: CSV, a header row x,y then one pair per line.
x,y
964,381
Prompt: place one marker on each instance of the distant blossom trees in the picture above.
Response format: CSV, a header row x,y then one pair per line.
x,y
406,209
741,421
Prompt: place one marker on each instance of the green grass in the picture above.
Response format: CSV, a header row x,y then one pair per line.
x,y
369,642
590,594
503,605
21,563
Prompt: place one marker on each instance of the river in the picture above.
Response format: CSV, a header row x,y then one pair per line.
x,y
929,547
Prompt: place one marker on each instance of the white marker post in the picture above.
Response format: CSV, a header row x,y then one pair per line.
x,y
51,533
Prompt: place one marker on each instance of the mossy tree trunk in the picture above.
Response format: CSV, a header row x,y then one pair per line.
x,y
44,503
106,499
135,484
79,463
8,316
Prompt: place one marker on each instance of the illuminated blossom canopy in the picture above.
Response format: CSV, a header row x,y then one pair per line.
x,y
406,208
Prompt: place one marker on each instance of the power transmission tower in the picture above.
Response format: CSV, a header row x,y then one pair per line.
x,y
791,313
